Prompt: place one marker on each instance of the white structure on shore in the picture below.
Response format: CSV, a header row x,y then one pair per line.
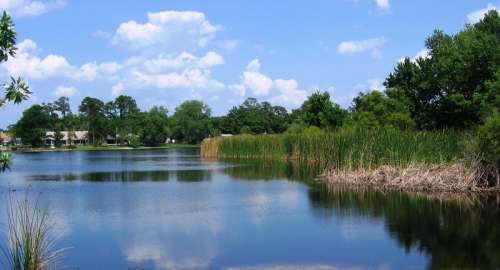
x,y
67,137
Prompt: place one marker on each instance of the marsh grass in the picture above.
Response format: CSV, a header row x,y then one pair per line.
x,y
353,149
30,244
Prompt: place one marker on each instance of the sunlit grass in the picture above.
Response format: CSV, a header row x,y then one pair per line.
x,y
343,148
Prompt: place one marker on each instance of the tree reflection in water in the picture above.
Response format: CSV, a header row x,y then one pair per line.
x,y
456,232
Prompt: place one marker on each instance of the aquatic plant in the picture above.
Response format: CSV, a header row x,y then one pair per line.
x,y
30,244
344,148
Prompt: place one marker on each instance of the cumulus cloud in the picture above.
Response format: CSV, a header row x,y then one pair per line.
x,y
21,8
289,92
252,79
170,30
478,15
66,91
383,4
29,64
372,45
282,91
254,66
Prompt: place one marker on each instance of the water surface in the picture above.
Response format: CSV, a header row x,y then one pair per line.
x,y
170,209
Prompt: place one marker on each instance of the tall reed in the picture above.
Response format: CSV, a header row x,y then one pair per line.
x,y
343,148
30,242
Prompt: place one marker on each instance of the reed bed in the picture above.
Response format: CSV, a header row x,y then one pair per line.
x,y
351,149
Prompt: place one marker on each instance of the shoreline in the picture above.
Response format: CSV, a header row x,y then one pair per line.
x,y
96,148
452,178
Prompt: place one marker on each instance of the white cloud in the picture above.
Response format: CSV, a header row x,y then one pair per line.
x,y
21,8
259,83
183,60
254,66
66,91
372,84
282,91
117,89
424,54
372,45
29,64
289,92
210,59
383,4
478,15
171,30
252,79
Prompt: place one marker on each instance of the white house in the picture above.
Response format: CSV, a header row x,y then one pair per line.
x,y
77,137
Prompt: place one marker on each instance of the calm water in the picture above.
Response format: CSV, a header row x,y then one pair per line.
x,y
169,209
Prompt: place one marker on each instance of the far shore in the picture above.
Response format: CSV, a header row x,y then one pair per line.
x,y
94,148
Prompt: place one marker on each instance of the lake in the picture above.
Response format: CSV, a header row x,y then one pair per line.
x,y
170,209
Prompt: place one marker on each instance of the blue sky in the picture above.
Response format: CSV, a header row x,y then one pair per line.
x,y
219,51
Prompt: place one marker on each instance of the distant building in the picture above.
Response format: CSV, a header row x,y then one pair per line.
x,y
226,135
5,139
77,137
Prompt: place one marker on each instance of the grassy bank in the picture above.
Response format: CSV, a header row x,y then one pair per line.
x,y
343,148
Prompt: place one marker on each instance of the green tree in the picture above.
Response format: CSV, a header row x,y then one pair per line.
x,y
123,116
191,121
255,117
376,109
17,90
318,110
33,125
452,86
92,113
155,129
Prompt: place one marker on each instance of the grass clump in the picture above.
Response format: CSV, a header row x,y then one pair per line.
x,y
29,241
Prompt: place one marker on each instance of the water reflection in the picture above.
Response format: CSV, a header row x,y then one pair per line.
x,y
456,232
169,209
128,176
272,170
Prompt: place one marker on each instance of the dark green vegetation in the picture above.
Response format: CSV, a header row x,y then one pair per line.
x,y
344,148
440,108
17,90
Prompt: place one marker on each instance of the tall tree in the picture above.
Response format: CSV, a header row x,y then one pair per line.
x,y
62,106
451,86
255,117
191,121
32,126
318,110
376,109
154,125
92,112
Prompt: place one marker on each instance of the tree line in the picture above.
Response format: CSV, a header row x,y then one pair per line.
x,y
456,86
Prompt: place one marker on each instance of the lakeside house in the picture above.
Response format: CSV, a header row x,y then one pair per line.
x,y
5,139
68,138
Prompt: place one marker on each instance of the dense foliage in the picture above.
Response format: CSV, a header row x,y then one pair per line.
x,y
17,90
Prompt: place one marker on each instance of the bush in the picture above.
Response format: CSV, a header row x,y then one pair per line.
x,y
489,145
